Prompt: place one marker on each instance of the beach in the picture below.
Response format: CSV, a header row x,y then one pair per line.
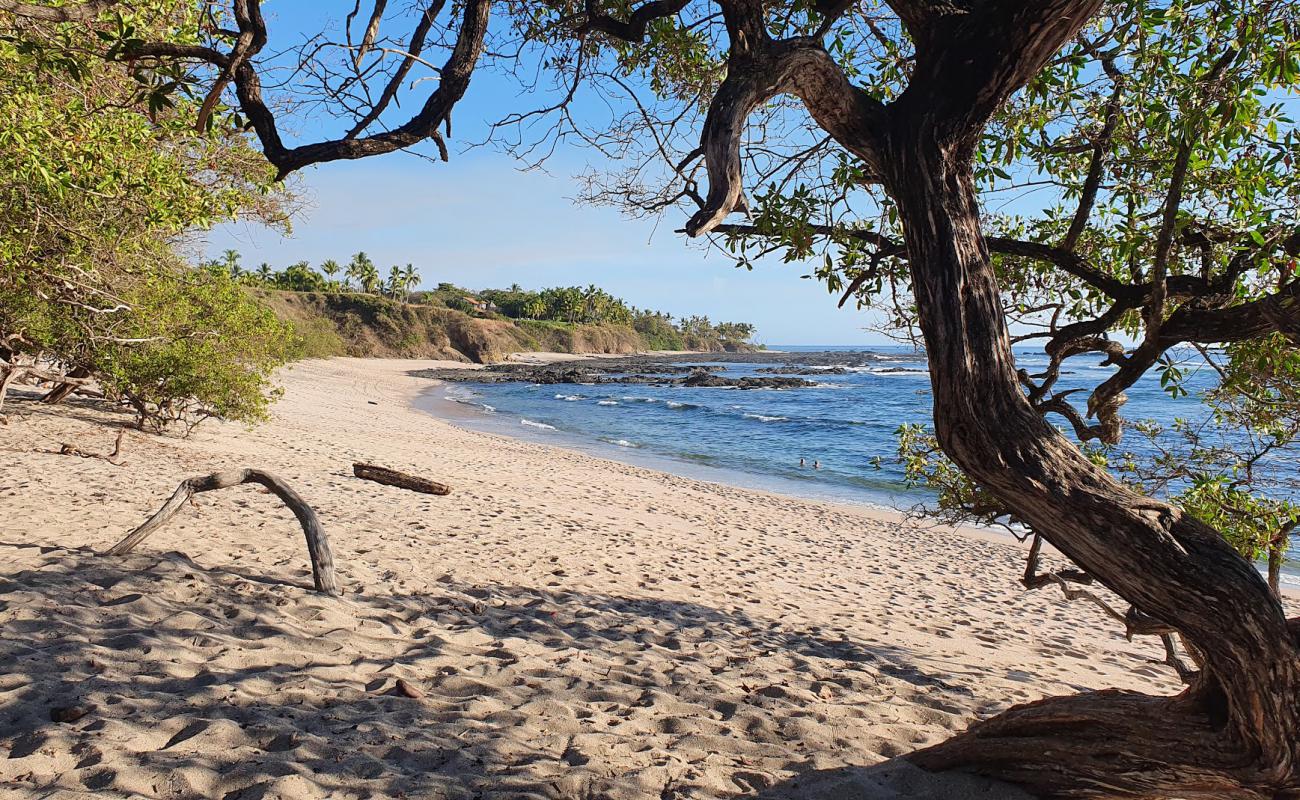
x,y
571,626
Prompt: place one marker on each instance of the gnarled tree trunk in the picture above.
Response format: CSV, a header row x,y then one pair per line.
x,y
1236,732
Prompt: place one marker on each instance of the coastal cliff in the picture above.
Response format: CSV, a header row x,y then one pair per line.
x,y
364,325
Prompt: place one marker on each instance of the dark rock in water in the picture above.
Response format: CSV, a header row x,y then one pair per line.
x,y
804,370
889,370
749,382
700,369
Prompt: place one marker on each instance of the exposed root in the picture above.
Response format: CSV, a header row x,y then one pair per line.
x,y
1110,744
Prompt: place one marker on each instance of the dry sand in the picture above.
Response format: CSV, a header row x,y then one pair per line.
x,y
578,627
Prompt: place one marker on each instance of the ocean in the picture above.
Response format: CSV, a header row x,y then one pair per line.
x,y
845,423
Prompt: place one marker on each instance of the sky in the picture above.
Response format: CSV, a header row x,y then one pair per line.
x,y
480,222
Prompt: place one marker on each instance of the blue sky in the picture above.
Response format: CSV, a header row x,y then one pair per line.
x,y
480,222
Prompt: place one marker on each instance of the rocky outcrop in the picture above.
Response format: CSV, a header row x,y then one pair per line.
x,y
694,370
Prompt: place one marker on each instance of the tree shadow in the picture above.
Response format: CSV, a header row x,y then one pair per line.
x,y
895,779
174,680
25,402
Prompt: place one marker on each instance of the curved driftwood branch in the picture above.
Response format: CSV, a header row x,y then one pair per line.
x,y
318,546
391,477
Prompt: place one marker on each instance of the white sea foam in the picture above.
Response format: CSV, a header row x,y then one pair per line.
x,y
572,398
765,418
607,402
532,424
675,404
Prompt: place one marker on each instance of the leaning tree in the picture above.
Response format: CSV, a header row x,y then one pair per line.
x,y
1075,172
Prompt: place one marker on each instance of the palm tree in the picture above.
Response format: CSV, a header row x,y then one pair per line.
x,y
369,278
264,272
395,281
357,269
410,277
331,268
230,260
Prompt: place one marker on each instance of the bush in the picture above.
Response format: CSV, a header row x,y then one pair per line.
x,y
201,347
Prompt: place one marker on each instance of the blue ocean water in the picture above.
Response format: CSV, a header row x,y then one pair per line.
x,y
757,437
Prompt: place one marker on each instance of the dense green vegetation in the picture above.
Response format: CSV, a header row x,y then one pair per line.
x,y
565,319
100,180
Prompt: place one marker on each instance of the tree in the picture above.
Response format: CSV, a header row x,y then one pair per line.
x,y
230,260
410,278
100,179
1153,119
300,277
331,268
370,282
361,269
395,285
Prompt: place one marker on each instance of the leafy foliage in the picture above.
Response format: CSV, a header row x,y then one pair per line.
x,y
101,176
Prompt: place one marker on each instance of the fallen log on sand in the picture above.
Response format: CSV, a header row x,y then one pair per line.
x,y
402,480
318,545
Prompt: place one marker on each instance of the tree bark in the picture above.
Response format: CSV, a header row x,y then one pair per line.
x,y
11,373
1276,555
1167,564
318,545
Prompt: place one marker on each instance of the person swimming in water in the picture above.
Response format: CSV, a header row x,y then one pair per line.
x,y
802,463
817,465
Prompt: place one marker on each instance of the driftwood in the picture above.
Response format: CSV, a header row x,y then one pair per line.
x,y
113,458
391,477
318,546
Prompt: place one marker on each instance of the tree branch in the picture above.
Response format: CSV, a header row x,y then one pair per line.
x,y
634,29
77,12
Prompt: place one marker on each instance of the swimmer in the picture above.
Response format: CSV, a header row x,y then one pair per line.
x,y
801,462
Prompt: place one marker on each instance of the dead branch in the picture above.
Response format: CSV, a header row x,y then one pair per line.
x,y
112,457
318,546
402,480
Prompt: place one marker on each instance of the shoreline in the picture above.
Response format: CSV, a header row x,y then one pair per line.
x,y
458,415
572,624
451,411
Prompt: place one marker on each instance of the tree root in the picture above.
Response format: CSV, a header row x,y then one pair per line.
x,y
1112,744
318,546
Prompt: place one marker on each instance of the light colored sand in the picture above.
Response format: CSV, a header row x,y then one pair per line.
x,y
580,628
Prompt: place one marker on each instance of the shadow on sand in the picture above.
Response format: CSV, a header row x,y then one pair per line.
x,y
177,681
